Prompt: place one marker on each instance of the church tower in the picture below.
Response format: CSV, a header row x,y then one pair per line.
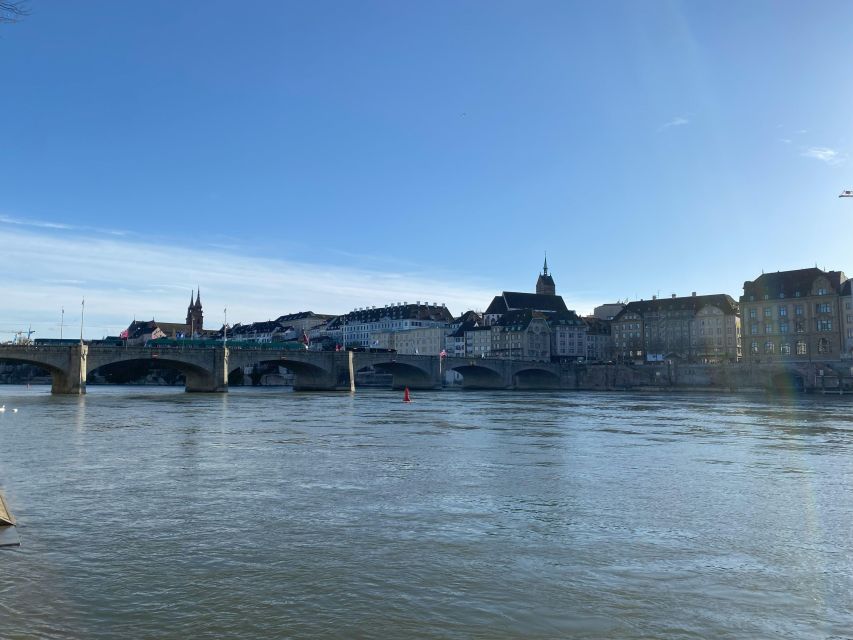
x,y
545,283
195,316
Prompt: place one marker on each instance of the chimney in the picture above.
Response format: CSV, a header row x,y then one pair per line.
x,y
694,294
673,295
654,297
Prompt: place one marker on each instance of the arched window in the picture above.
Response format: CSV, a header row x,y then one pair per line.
x,y
768,347
754,347
785,349
801,348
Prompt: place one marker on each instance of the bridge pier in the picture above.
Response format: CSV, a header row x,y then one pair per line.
x,y
71,379
212,380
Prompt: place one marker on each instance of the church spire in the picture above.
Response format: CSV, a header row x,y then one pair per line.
x,y
198,298
545,283
192,295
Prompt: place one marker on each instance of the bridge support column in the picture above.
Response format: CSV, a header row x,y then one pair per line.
x,y
212,380
72,379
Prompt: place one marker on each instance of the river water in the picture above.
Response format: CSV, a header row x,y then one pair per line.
x,y
264,513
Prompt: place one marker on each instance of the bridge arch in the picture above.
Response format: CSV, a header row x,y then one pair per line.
x,y
475,376
404,374
58,375
535,378
197,377
308,375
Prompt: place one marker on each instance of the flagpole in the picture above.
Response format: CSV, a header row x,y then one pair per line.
x,y
82,308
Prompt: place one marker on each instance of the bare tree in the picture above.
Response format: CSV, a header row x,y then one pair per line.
x,y
13,10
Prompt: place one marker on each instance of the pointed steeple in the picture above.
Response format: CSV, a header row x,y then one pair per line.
x,y
198,299
545,282
192,295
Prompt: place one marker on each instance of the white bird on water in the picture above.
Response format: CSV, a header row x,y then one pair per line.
x,y
3,408
15,410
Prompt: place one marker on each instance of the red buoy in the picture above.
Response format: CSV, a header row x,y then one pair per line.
x,y
406,397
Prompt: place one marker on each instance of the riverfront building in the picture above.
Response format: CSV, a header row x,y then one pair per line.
x,y
692,328
358,325
795,316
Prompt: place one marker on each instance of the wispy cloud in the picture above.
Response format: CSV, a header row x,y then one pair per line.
x,y
824,154
122,278
57,226
679,121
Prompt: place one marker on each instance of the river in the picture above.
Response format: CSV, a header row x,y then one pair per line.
x,y
263,513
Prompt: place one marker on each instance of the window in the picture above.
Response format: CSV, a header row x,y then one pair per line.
x,y
768,312
753,329
824,325
785,349
823,345
768,347
766,296
801,348
783,327
821,291
800,326
754,347
823,307
768,327
752,313
798,309
783,311
796,294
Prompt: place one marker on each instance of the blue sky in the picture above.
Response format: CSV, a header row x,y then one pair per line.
x,y
327,155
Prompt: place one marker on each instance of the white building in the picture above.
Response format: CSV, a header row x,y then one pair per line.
x,y
358,325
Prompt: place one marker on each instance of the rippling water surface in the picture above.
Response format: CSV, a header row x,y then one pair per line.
x,y
152,513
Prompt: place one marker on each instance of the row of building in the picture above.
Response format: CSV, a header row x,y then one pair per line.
x,y
788,315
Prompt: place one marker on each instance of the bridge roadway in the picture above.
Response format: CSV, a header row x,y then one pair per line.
x,y
206,369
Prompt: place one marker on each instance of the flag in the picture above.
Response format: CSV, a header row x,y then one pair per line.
x,y
123,335
443,353
304,339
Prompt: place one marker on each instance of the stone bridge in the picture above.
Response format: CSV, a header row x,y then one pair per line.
x,y
207,370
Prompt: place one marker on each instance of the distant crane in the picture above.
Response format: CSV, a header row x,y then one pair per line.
x,y
19,336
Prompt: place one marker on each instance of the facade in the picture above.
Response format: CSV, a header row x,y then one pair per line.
x,y
454,342
608,311
693,328
304,320
568,336
599,343
423,341
522,335
358,325
846,306
794,316
478,342
263,332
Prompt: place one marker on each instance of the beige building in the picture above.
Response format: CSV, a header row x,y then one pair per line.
x,y
693,328
425,341
522,335
794,316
